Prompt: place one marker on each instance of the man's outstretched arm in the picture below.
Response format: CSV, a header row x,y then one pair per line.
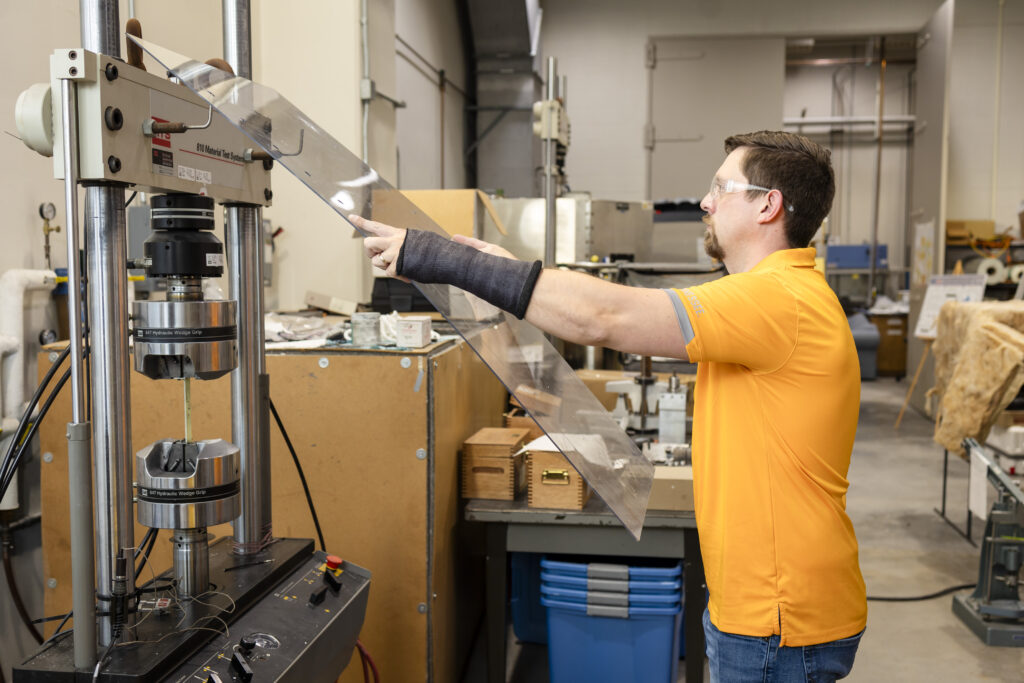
x,y
572,306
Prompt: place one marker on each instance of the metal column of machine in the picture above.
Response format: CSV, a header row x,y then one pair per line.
x,y
106,244
83,564
550,177
249,383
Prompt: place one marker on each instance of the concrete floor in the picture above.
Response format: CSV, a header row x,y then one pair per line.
x,y
906,549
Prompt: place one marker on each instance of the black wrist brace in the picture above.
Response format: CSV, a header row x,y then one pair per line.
x,y
431,258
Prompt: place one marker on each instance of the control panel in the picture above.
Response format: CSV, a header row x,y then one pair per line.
x,y
305,630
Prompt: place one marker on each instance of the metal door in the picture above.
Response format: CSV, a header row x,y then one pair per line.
x,y
700,91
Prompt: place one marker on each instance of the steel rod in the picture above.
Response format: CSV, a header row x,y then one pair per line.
x,y
244,247
248,410
237,31
106,244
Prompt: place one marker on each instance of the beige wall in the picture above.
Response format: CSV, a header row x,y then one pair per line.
x,y
311,56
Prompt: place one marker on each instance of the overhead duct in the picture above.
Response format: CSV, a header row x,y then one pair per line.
x,y
505,37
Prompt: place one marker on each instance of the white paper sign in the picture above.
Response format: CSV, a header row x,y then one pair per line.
x,y
943,288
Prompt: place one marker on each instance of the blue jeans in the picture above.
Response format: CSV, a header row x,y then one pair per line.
x,y
748,659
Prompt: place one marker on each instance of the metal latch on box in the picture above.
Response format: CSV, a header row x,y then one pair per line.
x,y
559,477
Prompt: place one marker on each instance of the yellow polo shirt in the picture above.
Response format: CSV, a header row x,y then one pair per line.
x,y
775,411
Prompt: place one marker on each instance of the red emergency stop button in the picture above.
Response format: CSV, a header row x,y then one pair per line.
x,y
333,561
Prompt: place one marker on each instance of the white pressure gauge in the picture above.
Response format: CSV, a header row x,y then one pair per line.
x,y
47,211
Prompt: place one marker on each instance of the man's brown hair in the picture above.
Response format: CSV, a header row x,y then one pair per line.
x,y
799,168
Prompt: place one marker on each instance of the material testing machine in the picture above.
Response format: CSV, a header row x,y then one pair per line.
x,y
293,613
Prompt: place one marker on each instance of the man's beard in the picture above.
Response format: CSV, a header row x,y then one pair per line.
x,y
711,245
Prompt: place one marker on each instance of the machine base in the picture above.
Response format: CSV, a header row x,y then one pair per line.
x,y
273,593
1002,633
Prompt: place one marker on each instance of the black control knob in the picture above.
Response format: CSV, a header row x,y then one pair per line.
x,y
240,666
246,644
318,596
333,582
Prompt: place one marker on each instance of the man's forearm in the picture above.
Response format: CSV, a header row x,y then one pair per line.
x,y
572,306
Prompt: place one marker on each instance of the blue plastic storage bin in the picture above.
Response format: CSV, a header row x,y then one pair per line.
x,y
529,618
609,585
583,597
600,570
641,645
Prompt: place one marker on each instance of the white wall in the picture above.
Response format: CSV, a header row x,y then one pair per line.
x,y
810,92
431,28
973,117
600,48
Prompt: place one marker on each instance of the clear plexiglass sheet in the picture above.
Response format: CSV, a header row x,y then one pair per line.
x,y
516,351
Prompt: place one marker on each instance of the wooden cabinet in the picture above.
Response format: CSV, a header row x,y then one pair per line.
x,y
892,346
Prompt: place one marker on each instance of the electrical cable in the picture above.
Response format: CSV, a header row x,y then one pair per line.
x,y
142,544
9,465
132,197
364,654
916,598
56,631
366,667
145,555
27,440
302,476
55,617
106,654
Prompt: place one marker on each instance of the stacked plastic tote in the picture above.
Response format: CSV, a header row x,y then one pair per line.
x,y
609,622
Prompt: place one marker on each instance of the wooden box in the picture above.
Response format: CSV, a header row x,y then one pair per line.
x,y
554,483
494,478
672,488
492,466
518,419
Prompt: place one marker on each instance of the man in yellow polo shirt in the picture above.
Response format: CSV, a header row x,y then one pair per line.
x,y
776,403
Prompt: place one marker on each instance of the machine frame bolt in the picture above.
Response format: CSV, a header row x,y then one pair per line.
x,y
406,362
53,356
47,456
111,71
113,117
51,583
73,71
267,194
323,362
114,164
421,608
421,453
